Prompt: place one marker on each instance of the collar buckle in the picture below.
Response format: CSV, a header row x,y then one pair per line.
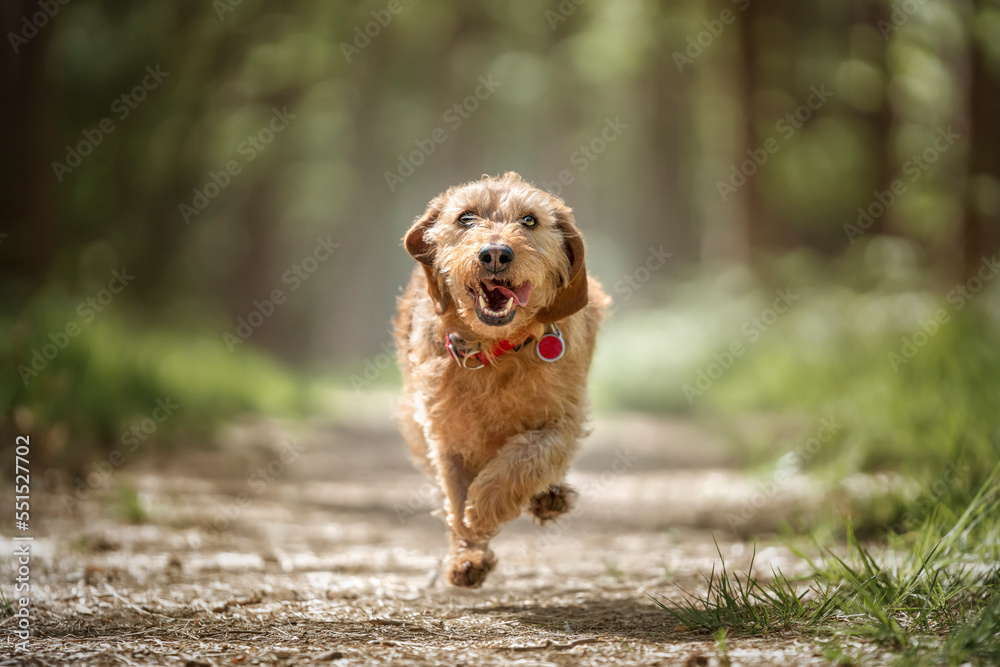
x,y
464,357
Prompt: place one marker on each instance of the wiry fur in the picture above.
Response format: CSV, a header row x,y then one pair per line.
x,y
498,440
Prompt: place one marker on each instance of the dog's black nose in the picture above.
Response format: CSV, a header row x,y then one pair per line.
x,y
495,257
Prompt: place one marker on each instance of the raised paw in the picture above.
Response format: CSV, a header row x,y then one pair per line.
x,y
468,567
487,510
553,503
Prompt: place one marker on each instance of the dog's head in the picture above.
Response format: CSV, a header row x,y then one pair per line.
x,y
502,253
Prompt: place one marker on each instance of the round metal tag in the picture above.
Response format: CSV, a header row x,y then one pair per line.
x,y
550,347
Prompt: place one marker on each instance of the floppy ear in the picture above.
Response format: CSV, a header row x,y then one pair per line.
x,y
422,250
572,294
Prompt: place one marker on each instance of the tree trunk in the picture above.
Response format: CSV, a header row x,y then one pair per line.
x,y
980,223
26,216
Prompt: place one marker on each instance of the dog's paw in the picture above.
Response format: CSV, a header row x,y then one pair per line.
x,y
553,503
485,514
468,568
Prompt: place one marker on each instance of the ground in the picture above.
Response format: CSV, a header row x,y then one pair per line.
x,y
331,554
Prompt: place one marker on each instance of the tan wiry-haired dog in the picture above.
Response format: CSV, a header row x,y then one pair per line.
x,y
495,334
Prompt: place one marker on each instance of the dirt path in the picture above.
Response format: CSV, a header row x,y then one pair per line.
x,y
331,555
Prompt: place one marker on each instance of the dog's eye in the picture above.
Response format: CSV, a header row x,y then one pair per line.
x,y
529,221
466,219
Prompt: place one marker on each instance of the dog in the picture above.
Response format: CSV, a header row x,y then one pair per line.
x,y
495,334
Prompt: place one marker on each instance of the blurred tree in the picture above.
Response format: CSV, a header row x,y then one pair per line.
x,y
760,223
981,222
25,198
868,51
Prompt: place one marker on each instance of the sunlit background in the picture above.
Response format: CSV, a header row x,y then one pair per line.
x,y
839,160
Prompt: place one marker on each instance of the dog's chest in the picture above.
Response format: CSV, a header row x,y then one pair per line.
x,y
485,411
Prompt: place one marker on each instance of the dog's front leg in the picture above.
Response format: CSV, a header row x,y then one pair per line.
x,y
528,464
470,558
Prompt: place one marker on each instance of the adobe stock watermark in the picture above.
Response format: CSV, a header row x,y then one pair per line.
x,y
786,127
553,530
256,483
424,497
47,10
566,9
714,28
453,117
587,153
374,367
131,439
632,282
901,14
752,330
223,7
19,606
294,277
363,35
958,296
123,105
86,311
786,467
913,169
248,149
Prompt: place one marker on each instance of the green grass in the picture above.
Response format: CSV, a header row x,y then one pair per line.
x,y
130,506
744,605
931,595
721,649
612,569
976,641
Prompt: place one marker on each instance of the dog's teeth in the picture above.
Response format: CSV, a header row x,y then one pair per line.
x,y
509,306
482,302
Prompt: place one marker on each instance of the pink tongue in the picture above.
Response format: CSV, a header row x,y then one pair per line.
x,y
520,293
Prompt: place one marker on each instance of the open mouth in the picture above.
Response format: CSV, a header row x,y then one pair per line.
x,y
497,301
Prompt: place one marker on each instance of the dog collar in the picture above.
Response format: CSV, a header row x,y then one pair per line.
x,y
550,347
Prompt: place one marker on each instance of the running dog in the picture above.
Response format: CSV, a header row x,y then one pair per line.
x,y
495,334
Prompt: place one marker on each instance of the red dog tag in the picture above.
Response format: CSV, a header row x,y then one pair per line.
x,y
551,347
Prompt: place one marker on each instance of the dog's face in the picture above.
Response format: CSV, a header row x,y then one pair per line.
x,y
502,253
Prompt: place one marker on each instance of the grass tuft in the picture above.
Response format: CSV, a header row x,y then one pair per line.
x,y
933,594
742,605
6,609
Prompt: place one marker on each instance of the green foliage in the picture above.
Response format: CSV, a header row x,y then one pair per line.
x,y
115,374
935,408
907,370
931,418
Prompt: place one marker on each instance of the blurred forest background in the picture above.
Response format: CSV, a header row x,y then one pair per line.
x,y
844,154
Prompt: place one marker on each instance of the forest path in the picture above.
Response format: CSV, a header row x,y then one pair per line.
x,y
333,560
